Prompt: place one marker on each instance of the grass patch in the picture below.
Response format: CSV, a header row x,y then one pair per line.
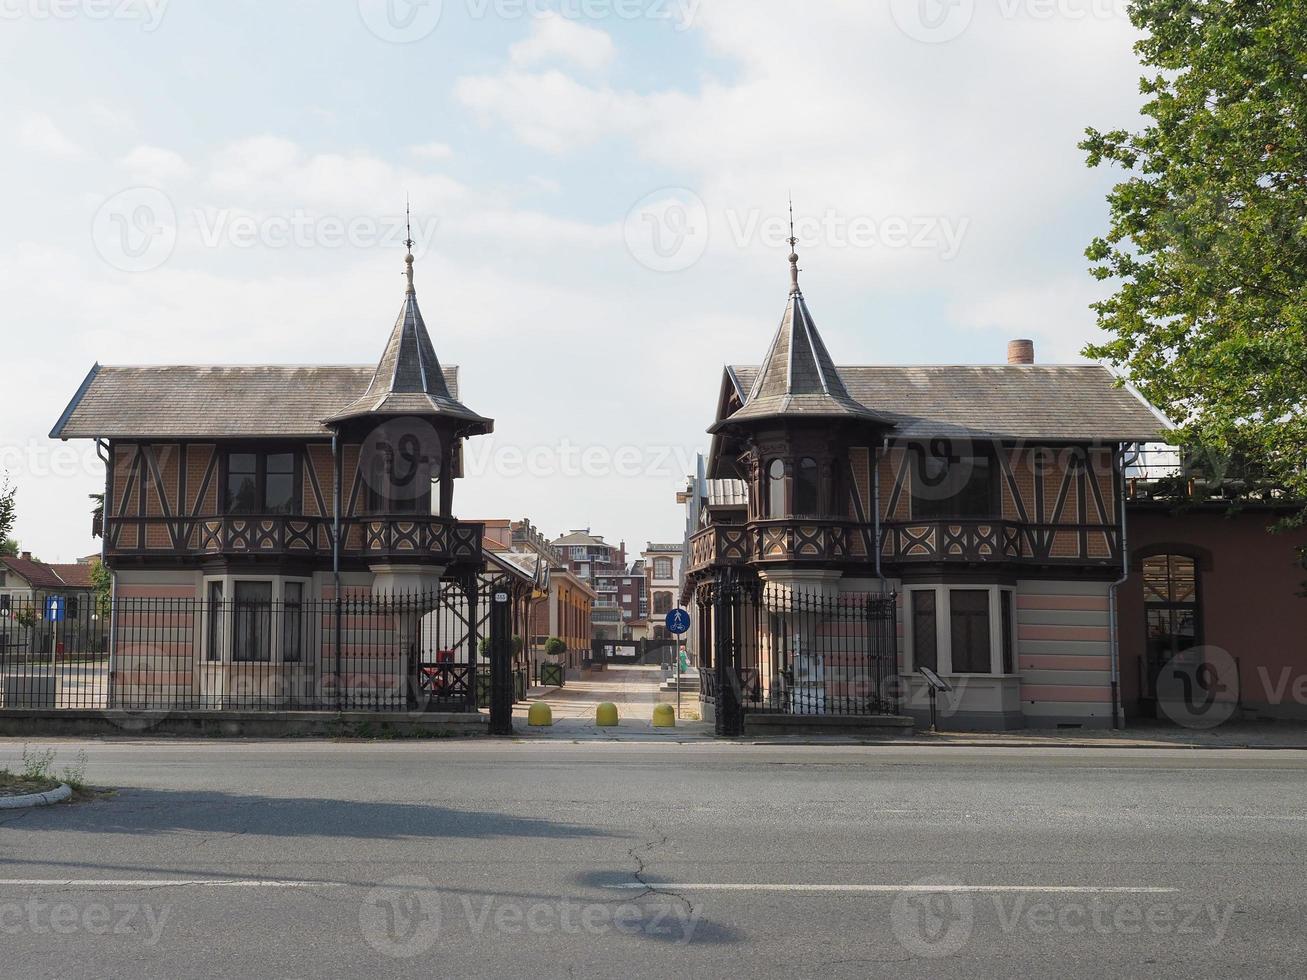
x,y
38,774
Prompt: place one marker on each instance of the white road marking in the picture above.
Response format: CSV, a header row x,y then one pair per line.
x,y
895,889
162,883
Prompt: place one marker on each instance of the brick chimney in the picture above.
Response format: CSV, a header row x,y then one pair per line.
x,y
1021,352
27,556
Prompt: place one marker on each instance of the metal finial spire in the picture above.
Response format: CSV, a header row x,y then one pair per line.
x,y
794,255
408,243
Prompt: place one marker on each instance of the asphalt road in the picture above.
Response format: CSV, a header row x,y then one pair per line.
x,y
551,859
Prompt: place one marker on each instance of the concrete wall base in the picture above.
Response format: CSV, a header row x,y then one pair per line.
x,y
970,721
243,724
782,724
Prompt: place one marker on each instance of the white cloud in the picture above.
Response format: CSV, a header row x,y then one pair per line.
x,y
156,164
433,151
277,172
38,133
554,38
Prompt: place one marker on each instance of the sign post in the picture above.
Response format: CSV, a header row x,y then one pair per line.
x,y
678,624
54,614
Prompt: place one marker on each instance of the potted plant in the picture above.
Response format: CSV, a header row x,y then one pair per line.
x,y
551,672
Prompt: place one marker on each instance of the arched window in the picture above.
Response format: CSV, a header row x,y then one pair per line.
x,y
805,488
1171,608
776,489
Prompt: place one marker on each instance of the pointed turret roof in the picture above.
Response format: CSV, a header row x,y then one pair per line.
x,y
798,378
409,379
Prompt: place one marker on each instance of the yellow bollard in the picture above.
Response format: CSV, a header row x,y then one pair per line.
x,y
664,716
606,715
540,715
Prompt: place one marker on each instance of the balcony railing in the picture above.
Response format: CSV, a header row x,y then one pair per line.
x,y
835,543
390,538
788,541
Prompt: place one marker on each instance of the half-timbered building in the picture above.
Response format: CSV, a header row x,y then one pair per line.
x,y
986,499
255,492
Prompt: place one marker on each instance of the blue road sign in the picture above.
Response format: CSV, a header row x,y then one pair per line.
x,y
54,609
678,622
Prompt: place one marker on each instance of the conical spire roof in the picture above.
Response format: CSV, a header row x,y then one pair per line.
x,y
408,379
798,379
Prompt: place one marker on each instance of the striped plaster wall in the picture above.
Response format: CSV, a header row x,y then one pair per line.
x,y
1064,652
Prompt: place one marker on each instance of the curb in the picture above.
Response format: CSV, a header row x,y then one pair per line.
x,y
49,797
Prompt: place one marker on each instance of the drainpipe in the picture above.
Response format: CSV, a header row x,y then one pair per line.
x,y
1112,592
335,558
102,451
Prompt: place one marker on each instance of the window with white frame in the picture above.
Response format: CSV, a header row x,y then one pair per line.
x,y
962,629
255,621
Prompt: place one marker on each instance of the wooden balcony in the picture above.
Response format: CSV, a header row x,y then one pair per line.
x,y
844,543
913,542
406,538
786,541
719,546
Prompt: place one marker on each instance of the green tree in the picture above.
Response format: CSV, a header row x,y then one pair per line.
x,y
102,579
554,647
8,515
1207,245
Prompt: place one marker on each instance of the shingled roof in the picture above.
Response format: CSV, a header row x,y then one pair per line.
x,y
408,380
798,378
1056,403
270,401
215,402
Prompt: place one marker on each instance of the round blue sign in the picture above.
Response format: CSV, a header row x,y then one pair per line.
x,y
678,622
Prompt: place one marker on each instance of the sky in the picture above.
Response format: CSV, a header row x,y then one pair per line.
x,y
599,192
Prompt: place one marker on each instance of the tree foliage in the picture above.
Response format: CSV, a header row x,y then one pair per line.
x,y
8,512
1207,244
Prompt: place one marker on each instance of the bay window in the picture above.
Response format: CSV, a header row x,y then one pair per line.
x,y
962,630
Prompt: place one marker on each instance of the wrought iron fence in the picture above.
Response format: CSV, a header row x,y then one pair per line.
x,y
778,649
411,652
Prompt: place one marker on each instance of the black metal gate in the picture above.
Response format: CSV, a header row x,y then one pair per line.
x,y
785,650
